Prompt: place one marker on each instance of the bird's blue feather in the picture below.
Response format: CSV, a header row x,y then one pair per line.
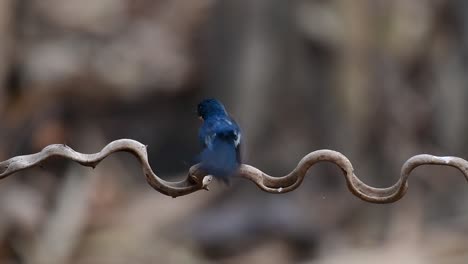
x,y
220,137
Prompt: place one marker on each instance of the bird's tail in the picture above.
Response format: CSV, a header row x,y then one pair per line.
x,y
221,160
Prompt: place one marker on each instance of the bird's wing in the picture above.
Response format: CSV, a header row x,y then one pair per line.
x,y
237,132
218,126
238,141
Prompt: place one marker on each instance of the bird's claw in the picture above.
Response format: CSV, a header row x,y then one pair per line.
x,y
206,181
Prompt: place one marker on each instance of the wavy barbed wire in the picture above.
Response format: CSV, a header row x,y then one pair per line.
x,y
198,180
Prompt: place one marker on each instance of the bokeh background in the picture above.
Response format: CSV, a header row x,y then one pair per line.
x,y
377,80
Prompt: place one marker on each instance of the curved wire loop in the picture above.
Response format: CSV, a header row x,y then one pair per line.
x,y
198,179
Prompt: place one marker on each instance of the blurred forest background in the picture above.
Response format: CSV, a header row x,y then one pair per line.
x,y
377,80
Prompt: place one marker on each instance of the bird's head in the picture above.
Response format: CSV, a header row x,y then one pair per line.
x,y
210,107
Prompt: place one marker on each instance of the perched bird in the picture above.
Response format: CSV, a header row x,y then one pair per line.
x,y
220,138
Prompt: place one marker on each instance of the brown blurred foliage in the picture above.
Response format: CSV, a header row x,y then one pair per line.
x,y
376,80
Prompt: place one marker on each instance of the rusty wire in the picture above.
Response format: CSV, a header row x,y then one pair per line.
x,y
198,180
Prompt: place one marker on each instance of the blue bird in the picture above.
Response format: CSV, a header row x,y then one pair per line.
x,y
220,138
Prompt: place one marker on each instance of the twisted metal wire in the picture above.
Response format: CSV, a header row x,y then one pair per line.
x,y
198,180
